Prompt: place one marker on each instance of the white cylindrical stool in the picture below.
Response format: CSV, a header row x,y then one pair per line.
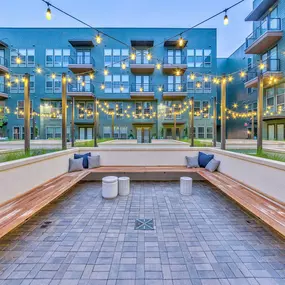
x,y
185,185
109,187
124,186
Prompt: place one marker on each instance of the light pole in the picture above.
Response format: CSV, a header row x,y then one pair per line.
x,y
34,125
192,121
174,123
27,113
215,122
259,112
223,112
252,124
95,123
64,110
72,122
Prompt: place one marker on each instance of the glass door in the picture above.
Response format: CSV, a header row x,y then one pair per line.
x,y
178,55
170,56
170,81
138,83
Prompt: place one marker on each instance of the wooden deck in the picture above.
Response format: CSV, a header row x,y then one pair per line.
x,y
17,211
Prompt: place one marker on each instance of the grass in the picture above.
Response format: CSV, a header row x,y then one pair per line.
x,y
263,154
14,155
90,143
198,143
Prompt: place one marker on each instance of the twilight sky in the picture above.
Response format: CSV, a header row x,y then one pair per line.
x,y
130,13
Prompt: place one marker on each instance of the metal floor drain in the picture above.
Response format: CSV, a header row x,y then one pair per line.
x,y
144,224
45,225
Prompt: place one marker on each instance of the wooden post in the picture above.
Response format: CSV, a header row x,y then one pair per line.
x,y
215,122
64,111
259,112
174,125
95,123
252,125
72,122
113,123
192,122
34,125
27,113
223,112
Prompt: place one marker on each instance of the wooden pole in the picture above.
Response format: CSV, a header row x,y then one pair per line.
x,y
252,125
215,122
64,110
95,123
34,125
113,124
27,113
259,112
223,112
174,125
192,122
72,122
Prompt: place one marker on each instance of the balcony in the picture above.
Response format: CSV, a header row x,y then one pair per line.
x,y
3,91
272,69
142,66
77,90
173,65
142,91
3,66
264,37
260,9
81,64
177,91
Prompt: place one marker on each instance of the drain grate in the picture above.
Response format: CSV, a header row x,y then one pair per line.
x,y
45,225
144,224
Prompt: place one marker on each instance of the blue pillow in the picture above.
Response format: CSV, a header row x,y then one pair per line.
x,y
204,159
85,158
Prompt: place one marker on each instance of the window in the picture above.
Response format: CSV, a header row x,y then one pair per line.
x,y
53,132
108,57
208,86
57,58
270,98
49,57
116,83
116,58
198,58
90,110
53,85
20,109
119,110
107,131
201,132
138,108
65,57
17,83
207,58
190,58
280,98
125,83
53,108
209,132
31,57
22,55
190,84
125,56
205,109
80,110
199,84
16,133
108,84
197,107
147,108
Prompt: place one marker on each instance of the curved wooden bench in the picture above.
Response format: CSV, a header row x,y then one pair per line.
x,y
15,212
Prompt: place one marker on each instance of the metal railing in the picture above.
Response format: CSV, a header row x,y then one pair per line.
x,y
175,87
3,61
270,24
270,65
3,88
174,60
81,59
143,87
78,87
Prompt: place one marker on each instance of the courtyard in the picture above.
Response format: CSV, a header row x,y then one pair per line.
x,y
200,239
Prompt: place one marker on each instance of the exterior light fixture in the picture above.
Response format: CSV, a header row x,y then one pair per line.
x,y
106,72
98,39
124,65
226,19
133,56
181,41
48,13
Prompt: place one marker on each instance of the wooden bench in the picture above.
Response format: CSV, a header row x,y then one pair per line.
x,y
15,212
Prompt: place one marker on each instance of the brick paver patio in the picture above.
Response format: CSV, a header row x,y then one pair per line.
x,y
203,239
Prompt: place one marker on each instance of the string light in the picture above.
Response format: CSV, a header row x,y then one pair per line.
x,y
48,13
226,19
106,72
7,76
178,72
230,78
124,65
148,56
158,66
133,56
122,88
69,79
261,66
91,76
102,86
242,74
38,70
53,76
206,79
181,41
192,76
98,39
18,60
160,88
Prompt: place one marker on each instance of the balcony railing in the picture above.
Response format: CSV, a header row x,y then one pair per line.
x,y
144,87
78,59
271,65
143,60
3,61
175,87
270,24
79,88
174,60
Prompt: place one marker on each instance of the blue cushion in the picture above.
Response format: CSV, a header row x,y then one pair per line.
x,y
85,158
204,158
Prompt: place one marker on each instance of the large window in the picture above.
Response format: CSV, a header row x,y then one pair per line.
x,y
143,108
280,98
26,56
20,109
53,83
209,132
199,58
57,57
17,83
52,108
201,132
53,132
197,107
116,83
115,57
270,98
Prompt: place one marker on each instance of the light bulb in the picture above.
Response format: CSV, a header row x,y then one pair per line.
x,y
102,86
158,66
133,56
242,74
149,56
48,14
124,65
38,70
106,72
18,60
181,42
7,76
98,39
226,19
53,76
261,66
192,76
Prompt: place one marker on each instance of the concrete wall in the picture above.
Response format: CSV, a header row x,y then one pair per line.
x,y
265,176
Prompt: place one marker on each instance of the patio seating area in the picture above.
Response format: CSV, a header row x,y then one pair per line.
x,y
200,239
